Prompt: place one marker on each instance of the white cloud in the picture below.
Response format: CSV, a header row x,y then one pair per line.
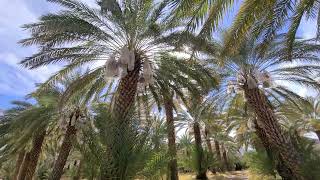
x,y
14,13
17,80
14,79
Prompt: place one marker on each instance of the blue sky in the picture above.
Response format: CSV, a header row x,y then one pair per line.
x,y
16,81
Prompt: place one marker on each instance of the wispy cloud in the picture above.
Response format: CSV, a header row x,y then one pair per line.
x,y
16,81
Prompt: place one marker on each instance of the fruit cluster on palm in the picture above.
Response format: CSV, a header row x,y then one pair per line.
x,y
136,73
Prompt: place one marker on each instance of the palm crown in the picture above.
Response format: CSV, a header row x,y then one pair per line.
x,y
122,34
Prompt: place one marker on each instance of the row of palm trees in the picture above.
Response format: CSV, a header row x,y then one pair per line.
x,y
141,43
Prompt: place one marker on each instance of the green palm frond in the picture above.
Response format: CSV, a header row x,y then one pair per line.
x,y
156,167
303,7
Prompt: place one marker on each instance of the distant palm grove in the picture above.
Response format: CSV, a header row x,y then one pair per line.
x,y
161,89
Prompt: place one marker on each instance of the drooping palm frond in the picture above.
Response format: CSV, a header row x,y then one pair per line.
x,y
202,16
265,19
302,8
87,36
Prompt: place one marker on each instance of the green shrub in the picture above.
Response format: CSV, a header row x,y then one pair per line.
x,y
311,158
259,163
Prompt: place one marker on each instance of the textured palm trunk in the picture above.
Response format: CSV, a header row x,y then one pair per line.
x,y
30,161
19,162
225,158
218,152
63,154
281,167
207,135
78,174
267,121
208,142
318,134
126,92
173,167
122,105
201,172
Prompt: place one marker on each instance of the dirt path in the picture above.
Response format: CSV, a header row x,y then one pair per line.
x,y
234,175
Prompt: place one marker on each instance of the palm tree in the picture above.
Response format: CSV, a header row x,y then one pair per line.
x,y
207,136
260,79
257,78
122,34
31,121
249,72
49,113
173,166
72,118
6,122
177,77
70,133
193,117
201,174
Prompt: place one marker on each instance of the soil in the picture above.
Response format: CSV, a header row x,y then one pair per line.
x,y
234,175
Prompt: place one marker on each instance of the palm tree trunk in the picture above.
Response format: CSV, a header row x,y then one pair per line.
x,y
122,105
173,167
267,121
30,161
78,175
19,162
208,141
126,92
282,169
207,135
218,152
201,172
225,158
63,154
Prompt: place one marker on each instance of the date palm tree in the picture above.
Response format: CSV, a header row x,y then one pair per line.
x,y
122,35
23,118
261,80
244,122
31,121
71,120
174,78
6,122
193,118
